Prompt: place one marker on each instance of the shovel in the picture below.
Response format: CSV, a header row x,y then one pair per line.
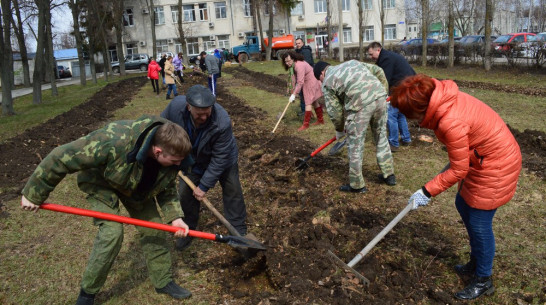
x,y
301,164
337,147
369,246
234,241
280,118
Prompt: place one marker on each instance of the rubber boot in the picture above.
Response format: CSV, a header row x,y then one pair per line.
x,y
306,120
320,117
478,287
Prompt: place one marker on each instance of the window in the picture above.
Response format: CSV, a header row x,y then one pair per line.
x,y
388,3
247,8
297,10
128,17
368,33
409,30
113,54
220,10
345,5
320,40
161,46
390,31
299,34
320,6
193,46
159,15
178,47
189,13
210,44
174,13
266,4
347,36
131,48
223,42
367,4
203,14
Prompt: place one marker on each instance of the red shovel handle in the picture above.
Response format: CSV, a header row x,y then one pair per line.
x,y
323,146
123,219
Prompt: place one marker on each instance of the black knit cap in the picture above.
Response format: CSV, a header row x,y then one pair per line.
x,y
319,67
200,97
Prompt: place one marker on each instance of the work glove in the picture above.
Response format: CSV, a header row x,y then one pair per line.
x,y
292,98
340,134
172,75
418,199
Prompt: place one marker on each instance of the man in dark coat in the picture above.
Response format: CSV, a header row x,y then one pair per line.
x,y
396,68
307,53
215,152
162,66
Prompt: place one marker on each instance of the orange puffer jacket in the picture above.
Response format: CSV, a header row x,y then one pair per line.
x,y
484,155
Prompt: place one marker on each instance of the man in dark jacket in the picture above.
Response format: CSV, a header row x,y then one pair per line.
x,y
215,152
213,69
162,66
307,53
396,68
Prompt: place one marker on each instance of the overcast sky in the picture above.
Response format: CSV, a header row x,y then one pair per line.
x,y
62,23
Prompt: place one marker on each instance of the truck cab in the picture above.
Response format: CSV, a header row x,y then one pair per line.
x,y
251,47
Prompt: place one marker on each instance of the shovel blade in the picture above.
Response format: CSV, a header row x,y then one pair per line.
x,y
245,243
301,164
337,147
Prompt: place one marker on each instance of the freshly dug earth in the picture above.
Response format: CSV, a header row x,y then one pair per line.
x,y
286,210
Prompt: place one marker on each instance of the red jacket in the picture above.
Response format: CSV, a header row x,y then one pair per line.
x,y
484,155
153,70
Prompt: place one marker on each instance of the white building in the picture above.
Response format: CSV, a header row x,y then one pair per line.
x,y
224,23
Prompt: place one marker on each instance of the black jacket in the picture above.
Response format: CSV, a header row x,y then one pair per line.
x,y
307,53
216,149
395,66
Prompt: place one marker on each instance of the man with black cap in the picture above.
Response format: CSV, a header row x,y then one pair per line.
x,y
355,95
215,153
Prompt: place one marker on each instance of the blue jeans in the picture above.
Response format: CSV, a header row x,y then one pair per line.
x,y
479,226
397,121
171,87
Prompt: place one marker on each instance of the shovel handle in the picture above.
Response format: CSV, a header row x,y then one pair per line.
x,y
323,146
277,125
123,219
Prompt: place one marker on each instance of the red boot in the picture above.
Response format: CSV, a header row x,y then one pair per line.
x,y
320,118
306,120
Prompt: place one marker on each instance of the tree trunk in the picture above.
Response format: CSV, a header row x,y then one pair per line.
x,y
22,46
489,9
329,27
6,62
38,74
75,8
269,49
182,35
92,42
260,26
424,31
51,64
451,32
382,20
118,24
340,31
152,24
360,31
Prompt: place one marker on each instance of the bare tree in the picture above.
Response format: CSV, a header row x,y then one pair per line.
x,y
119,15
451,33
464,15
43,5
329,27
424,30
151,9
269,46
489,9
255,10
18,28
75,7
6,62
181,31
50,63
382,15
87,23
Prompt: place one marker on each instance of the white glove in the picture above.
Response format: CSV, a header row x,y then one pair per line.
x,y
340,134
292,98
418,199
172,75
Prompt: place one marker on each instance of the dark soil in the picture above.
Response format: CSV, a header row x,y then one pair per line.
x,y
287,206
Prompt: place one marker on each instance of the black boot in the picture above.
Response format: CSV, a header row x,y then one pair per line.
x,y
478,286
467,269
174,291
85,298
168,97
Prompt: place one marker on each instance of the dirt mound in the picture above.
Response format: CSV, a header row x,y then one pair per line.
x,y
533,150
502,88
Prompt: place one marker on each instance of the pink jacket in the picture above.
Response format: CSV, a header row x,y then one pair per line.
x,y
484,156
153,70
304,78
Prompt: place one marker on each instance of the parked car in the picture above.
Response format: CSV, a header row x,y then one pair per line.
x,y
472,45
133,62
508,44
541,37
415,46
446,40
63,72
534,47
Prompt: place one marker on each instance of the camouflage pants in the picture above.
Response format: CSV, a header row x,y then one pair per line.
x,y
356,125
108,244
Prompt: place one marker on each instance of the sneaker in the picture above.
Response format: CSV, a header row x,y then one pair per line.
x,y
183,243
174,291
393,148
348,188
85,298
390,180
478,287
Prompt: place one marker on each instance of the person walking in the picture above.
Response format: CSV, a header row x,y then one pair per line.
x,y
169,78
396,68
218,55
211,62
303,80
215,152
355,95
153,74
484,158
178,63
131,162
162,66
307,53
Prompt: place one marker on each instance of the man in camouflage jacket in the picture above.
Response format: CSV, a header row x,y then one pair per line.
x,y
355,95
127,161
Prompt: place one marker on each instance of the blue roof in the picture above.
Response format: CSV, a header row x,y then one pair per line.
x,y
58,54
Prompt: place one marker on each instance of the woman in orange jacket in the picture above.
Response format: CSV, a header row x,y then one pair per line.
x,y
484,158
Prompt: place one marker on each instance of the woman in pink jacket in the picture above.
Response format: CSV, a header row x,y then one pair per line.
x,y
304,79
484,159
153,74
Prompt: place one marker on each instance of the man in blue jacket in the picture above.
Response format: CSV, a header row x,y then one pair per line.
x,y
215,153
396,68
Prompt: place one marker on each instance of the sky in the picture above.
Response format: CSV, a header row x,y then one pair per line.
x,y
62,23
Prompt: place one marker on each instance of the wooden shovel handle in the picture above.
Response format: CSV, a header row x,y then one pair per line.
x,y
277,125
209,205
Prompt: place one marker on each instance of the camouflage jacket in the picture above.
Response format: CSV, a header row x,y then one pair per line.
x,y
110,165
351,86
